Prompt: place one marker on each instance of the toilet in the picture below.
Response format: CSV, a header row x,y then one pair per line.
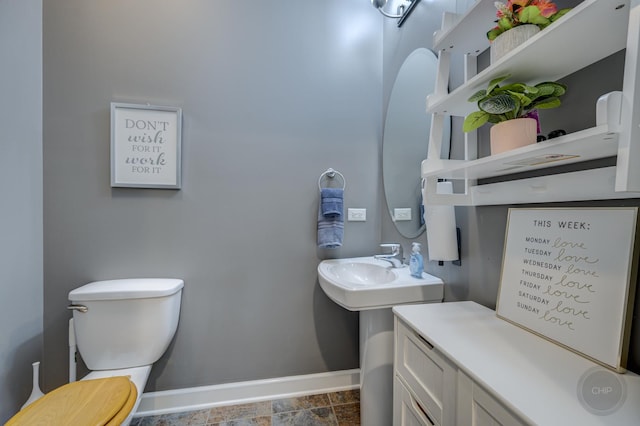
x,y
121,328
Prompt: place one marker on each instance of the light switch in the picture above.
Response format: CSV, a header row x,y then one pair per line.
x,y
402,214
357,215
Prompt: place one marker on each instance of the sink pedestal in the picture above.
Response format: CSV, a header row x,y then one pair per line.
x,y
368,285
376,367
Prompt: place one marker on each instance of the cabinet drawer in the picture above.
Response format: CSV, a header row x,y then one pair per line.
x,y
406,410
430,377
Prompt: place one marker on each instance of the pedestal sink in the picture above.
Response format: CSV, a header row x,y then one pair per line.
x,y
372,287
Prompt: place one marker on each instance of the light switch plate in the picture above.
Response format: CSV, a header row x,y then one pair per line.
x,y
402,214
357,215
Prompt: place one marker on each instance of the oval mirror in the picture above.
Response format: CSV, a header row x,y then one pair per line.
x,y
406,139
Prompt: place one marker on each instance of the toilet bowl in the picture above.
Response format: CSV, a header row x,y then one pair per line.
x,y
121,328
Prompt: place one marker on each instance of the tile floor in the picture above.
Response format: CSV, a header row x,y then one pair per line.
x,y
335,409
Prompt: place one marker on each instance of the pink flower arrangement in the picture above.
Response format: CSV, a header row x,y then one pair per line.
x,y
520,12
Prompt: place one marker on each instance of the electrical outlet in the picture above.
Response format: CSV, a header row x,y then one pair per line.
x,y
357,215
402,214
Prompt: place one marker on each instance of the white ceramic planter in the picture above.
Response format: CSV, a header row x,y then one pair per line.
x,y
513,134
509,40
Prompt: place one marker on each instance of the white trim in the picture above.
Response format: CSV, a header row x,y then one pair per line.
x,y
203,397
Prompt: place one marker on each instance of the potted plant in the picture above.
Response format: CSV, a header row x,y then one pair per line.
x,y
519,20
512,109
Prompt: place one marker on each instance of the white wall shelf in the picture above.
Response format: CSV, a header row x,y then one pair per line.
x,y
583,185
568,45
590,144
454,36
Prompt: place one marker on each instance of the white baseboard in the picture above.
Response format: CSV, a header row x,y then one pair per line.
x,y
198,398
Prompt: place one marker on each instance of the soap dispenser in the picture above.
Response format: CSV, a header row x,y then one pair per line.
x,y
416,262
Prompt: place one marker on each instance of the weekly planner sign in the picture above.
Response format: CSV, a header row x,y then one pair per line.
x,y
145,146
569,275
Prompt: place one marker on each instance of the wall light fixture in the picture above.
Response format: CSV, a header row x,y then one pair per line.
x,y
402,12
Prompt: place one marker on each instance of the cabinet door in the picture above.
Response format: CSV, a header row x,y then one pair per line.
x,y
427,373
406,410
476,407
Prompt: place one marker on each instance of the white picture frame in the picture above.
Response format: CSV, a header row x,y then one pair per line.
x,y
569,275
146,145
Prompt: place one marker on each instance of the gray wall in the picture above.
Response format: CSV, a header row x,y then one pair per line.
x,y
482,228
273,93
21,208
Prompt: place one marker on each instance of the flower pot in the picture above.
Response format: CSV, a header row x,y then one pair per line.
x,y
513,134
509,40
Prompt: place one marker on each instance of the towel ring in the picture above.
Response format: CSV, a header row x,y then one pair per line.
x,y
330,173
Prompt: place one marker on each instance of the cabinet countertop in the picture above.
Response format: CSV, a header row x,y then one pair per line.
x,y
537,379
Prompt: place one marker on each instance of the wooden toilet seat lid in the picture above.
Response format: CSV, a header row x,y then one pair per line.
x,y
106,401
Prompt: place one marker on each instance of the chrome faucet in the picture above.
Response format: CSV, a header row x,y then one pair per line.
x,y
395,257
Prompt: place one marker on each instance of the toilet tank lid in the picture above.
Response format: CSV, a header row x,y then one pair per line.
x,y
129,288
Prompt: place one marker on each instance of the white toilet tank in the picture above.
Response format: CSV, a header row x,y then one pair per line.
x,y
127,323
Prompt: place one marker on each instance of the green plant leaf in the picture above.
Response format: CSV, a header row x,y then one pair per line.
x,y
558,88
545,90
474,120
498,104
519,88
477,96
547,103
495,119
527,13
532,15
495,82
522,98
494,32
505,24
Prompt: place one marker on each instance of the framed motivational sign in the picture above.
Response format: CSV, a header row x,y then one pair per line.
x,y
569,275
145,146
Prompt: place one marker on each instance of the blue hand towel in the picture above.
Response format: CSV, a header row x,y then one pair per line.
x,y
331,201
330,230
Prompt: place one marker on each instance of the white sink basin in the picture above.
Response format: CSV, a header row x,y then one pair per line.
x,y
363,283
361,273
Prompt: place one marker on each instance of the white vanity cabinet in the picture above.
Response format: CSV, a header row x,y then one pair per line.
x,y
457,364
